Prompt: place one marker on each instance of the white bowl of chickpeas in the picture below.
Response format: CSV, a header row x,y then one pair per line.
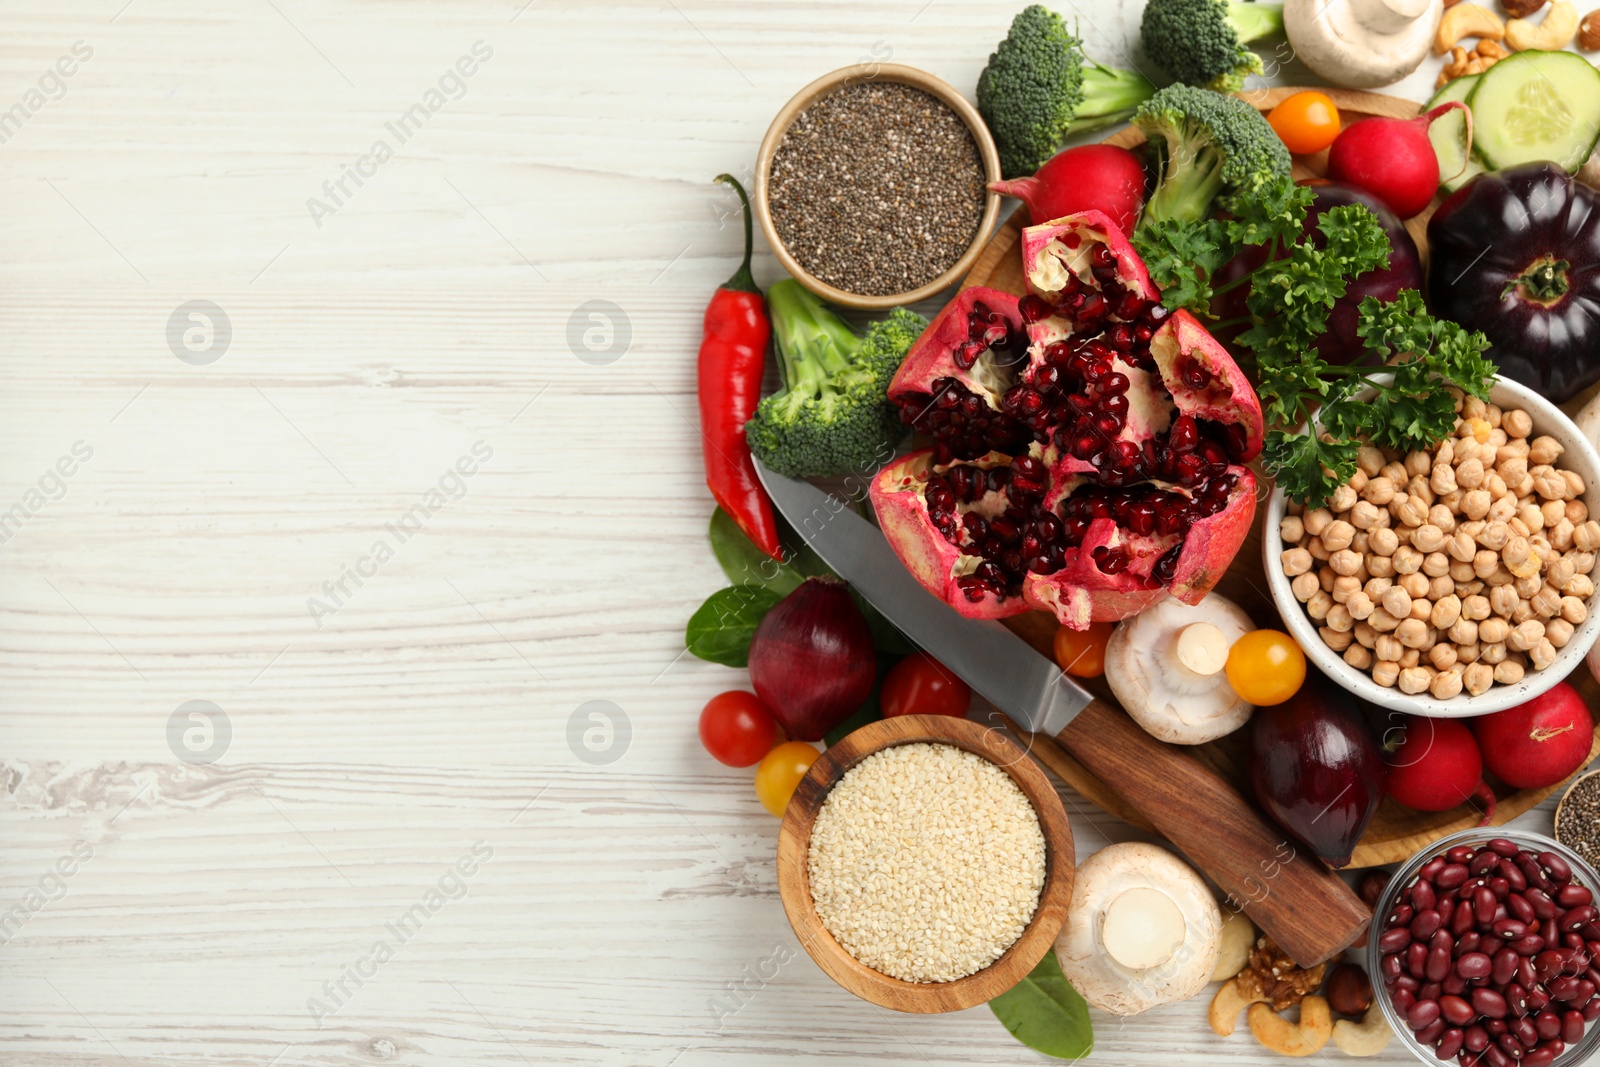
x,y
1453,582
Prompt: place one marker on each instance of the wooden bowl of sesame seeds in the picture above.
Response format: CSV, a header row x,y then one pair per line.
x,y
908,230
975,838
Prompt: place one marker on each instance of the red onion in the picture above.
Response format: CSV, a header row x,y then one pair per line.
x,y
811,660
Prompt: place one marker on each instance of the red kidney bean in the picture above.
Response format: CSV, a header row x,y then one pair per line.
x,y
1402,999
1489,1003
1550,963
1390,966
1512,874
1446,907
1476,1039
1496,1027
1592,933
1461,919
1505,966
1536,877
1572,1026
1576,918
1459,854
1468,942
1563,988
1509,929
1526,977
1520,909
1517,999
1559,871
1456,1010
1591,1011
1548,1025
1430,1033
1453,874
1394,939
1425,923
1538,999
1527,946
1422,896
1422,1014
1539,1057
1402,915
1510,1046
1449,1044
1430,871
1406,982
1503,846
1573,896
1499,887
1586,990
1483,861
1483,905
1417,959
1430,991
1476,965
1543,906
1550,930
1495,1058
1526,1032
1453,984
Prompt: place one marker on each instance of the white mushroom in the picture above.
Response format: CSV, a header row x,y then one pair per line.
x,y
1165,666
1361,43
1142,930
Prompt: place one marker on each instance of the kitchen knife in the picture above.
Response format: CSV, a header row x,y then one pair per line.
x,y
1306,909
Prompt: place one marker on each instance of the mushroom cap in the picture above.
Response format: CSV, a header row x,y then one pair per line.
x,y
1109,985
1361,44
1168,700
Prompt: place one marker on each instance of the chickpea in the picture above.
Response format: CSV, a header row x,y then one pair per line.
x,y
1418,463
1501,508
1442,656
1385,672
1345,562
1304,586
1508,672
1526,635
1358,657
1359,605
1469,473
1542,654
1553,512
1516,552
1364,515
1528,586
1503,600
1446,685
1575,486
1415,584
1358,480
1314,522
1396,472
1558,632
1319,604
1413,633
1532,517
1521,613
1380,566
1318,550
1462,574
1369,459
1586,538
1577,512
1546,603
1440,588
1339,619
1443,478
1561,574
1410,658
1407,560
1484,563
1413,511
1338,640
1421,490
1501,576
1493,654
1421,609
1469,652
1475,504
1414,680
1428,538
1383,542
1581,586
1381,621
1463,631
1513,466
1388,646
1379,491
1336,535
1478,679
1561,534
1435,564
1517,423
1573,610
1446,611
1476,607
1376,587
1495,486
1494,535
1550,484
1494,415
1493,631
1343,586
1544,449
1461,547
1397,602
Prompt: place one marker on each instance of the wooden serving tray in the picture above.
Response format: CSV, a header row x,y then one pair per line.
x,y
1396,832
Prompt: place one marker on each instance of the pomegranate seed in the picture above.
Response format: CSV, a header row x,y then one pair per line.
x,y
1213,453
1238,441
976,528
1005,530
1115,383
1184,434
1095,371
998,477
1194,375
1189,470
1072,240
1047,527
971,587
1110,425
1033,308
1166,567
1130,306
966,354
996,336
1030,467
1142,518
1073,529
1115,404
1058,352
1120,337
1142,333
1111,559
1155,315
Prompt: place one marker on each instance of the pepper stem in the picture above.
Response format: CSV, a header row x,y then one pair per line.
x,y
742,281
1544,282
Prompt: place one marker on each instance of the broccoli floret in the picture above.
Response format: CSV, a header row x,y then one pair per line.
x,y
1202,42
833,415
1039,89
1206,143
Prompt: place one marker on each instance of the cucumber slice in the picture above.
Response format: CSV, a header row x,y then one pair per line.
x,y
1449,135
1537,106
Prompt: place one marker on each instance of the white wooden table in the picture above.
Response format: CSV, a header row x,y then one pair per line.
x,y
395,853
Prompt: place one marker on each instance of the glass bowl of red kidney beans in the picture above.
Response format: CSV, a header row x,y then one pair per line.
x,y
1486,951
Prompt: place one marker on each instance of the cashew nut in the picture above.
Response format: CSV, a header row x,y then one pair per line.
x,y
1553,33
1286,1038
1226,1005
1368,1037
1467,20
1237,938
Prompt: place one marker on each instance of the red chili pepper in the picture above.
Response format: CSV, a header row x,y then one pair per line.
x,y
733,354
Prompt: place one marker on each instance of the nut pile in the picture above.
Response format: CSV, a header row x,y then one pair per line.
x,y
1452,569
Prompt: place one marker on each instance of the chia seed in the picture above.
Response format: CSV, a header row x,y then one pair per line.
x,y
877,188
1578,821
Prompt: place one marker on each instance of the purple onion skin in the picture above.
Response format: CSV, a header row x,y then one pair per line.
x,y
1316,769
812,660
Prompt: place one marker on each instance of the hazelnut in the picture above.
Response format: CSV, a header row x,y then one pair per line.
x,y
1589,32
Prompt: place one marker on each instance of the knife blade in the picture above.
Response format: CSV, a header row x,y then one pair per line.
x,y
1309,911
994,661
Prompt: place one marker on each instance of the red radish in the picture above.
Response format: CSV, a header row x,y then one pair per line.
x,y
1091,177
1437,766
1392,158
1538,743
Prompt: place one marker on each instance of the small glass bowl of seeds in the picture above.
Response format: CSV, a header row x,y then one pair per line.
x,y
871,186
1453,581
1577,819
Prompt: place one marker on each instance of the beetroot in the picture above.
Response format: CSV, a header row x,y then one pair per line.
x,y
1539,743
1089,470
1437,766
811,659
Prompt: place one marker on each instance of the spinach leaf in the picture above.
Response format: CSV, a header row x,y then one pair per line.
x,y
744,563
1045,1013
721,629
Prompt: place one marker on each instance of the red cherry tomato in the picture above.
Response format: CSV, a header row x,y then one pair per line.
x,y
921,685
737,729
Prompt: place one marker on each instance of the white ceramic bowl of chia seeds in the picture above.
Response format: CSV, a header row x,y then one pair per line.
x,y
871,186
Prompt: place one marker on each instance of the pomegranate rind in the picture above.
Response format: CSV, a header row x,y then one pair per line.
x,y
1227,398
1042,264
897,498
930,356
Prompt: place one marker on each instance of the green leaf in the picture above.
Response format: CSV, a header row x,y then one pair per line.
x,y
1274,209
744,563
1045,1013
1181,257
721,629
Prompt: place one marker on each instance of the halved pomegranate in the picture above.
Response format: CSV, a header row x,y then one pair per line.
x,y
1092,473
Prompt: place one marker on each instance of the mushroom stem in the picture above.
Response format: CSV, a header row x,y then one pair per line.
x,y
1142,928
1389,16
1202,648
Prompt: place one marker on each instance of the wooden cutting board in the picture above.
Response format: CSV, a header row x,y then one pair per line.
x,y
1396,832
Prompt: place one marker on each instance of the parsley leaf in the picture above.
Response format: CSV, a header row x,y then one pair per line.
x,y
1181,257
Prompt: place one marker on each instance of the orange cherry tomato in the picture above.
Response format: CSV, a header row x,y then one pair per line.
x,y
1082,653
921,685
1266,667
779,773
1306,122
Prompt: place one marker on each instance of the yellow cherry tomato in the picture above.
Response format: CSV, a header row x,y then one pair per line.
x,y
779,773
1266,667
1306,122
1082,653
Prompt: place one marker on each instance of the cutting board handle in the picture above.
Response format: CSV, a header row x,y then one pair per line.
x,y
1290,895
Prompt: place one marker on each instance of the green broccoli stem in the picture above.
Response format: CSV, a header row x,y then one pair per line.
x,y
1110,96
1189,188
1252,22
813,343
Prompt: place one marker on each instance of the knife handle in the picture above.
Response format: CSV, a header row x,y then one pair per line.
x,y
1306,909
